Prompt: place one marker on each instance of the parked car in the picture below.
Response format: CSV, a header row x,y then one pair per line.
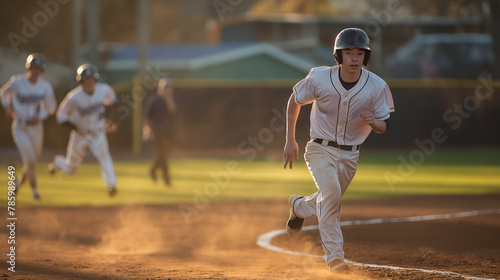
x,y
442,56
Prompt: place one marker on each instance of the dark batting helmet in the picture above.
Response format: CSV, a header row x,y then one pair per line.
x,y
351,38
86,70
35,59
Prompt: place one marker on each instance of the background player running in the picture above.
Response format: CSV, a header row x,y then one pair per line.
x,y
83,110
29,99
348,103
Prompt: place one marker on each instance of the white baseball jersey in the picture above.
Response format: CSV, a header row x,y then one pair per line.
x,y
28,100
84,110
336,117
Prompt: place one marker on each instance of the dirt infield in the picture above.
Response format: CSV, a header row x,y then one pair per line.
x,y
155,242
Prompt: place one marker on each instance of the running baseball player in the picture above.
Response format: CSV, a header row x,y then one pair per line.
x,y
28,100
348,102
83,110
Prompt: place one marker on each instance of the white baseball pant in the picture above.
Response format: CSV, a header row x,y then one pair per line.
x,y
332,170
78,146
29,142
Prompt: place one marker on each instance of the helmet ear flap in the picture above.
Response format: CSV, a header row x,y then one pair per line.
x,y
338,57
367,57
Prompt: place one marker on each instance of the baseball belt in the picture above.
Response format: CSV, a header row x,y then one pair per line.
x,y
335,145
26,122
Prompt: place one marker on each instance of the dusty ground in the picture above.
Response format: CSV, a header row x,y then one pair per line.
x,y
155,242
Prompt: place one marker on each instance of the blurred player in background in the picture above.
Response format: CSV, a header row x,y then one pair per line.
x,y
28,100
348,103
159,124
83,110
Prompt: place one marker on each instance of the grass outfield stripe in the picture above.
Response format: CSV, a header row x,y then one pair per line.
x,y
261,180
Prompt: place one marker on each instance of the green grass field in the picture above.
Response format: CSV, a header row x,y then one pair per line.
x,y
209,180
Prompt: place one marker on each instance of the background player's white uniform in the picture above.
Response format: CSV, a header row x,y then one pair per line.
x,y
335,117
87,113
28,100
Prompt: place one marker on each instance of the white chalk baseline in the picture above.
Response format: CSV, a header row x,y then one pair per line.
x,y
264,240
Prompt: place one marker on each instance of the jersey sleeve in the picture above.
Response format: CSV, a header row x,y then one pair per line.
x,y
304,90
110,97
7,92
383,104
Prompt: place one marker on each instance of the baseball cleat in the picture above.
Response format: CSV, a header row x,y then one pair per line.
x,y
166,180
36,195
17,186
52,169
294,223
112,191
338,266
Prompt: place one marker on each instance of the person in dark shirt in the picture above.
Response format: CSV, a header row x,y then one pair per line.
x,y
159,124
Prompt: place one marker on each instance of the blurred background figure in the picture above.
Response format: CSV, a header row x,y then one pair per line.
x,y
159,125
28,99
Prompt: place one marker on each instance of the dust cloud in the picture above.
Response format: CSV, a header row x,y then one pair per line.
x,y
135,233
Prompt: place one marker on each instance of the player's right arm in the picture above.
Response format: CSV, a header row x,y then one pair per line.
x,y
65,110
171,104
6,95
146,120
303,93
291,151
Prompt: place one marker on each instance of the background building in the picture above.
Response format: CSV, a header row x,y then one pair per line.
x,y
234,62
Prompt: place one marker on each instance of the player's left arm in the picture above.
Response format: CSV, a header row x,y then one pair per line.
x,y
111,123
379,126
378,115
49,104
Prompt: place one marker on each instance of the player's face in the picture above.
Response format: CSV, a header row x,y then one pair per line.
x,y
88,84
167,89
352,59
35,71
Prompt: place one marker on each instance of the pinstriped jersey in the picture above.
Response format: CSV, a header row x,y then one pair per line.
x,y
28,100
335,110
86,111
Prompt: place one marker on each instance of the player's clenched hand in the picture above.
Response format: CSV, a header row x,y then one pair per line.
x,y
11,114
110,126
367,117
146,133
290,153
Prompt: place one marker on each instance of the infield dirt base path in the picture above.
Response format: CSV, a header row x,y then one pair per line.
x,y
156,242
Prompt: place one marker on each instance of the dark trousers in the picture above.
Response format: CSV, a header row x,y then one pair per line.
x,y
163,142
